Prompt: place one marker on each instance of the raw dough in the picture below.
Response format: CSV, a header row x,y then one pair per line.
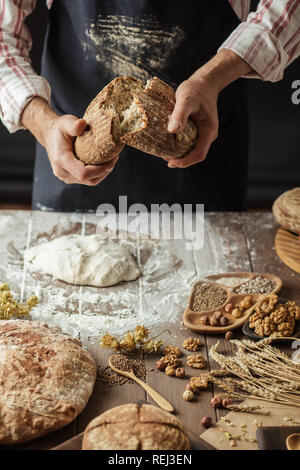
x,y
84,260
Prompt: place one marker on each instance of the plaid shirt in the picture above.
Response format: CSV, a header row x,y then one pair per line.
x,y
268,40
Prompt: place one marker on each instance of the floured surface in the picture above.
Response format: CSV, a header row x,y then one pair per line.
x,y
158,296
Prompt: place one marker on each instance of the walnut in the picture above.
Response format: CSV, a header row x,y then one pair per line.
x,y
199,382
293,309
197,362
173,350
191,344
170,360
266,304
273,318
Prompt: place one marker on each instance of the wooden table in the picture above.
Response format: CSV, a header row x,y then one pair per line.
x,y
233,242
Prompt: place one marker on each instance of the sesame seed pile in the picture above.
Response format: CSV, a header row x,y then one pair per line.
x,y
258,285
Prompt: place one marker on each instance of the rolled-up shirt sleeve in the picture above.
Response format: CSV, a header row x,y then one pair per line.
x,y
269,39
19,83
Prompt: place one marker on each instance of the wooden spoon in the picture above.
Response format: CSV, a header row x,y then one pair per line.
x,y
162,402
293,442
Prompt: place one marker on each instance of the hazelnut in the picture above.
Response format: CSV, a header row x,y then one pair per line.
x,y
204,320
180,372
160,365
213,322
226,402
236,313
191,387
217,315
246,302
229,335
229,308
206,422
216,402
170,370
224,321
188,395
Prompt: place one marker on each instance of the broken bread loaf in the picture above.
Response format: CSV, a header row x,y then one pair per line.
x,y
126,112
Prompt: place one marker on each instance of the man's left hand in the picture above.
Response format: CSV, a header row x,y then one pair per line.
x,y
197,99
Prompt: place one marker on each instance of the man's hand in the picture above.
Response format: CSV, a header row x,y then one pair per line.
x,y
57,134
197,98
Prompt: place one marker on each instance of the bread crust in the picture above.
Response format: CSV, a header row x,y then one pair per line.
x,y
134,427
46,379
286,210
99,143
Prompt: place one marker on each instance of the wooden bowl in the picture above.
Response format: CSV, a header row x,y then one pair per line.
x,y
192,319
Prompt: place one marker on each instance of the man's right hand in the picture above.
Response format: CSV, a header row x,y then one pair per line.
x,y
57,135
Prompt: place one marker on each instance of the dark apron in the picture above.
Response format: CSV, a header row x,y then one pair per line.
x,y
89,43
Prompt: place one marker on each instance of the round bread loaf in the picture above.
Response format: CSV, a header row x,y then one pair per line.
x,y
286,210
134,427
126,112
46,379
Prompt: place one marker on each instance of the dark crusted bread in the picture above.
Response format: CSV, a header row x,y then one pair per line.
x,y
286,210
134,427
126,112
46,379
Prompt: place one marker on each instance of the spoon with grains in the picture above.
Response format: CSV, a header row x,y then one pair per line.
x,y
121,365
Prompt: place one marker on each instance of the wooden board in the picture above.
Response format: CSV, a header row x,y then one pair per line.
x,y
232,242
76,443
270,415
192,319
287,247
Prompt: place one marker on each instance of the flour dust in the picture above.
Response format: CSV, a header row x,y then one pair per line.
x,y
138,47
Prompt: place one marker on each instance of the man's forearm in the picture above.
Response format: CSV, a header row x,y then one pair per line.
x,y
224,68
38,118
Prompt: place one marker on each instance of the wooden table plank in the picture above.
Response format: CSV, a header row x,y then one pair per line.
x,y
225,235
233,242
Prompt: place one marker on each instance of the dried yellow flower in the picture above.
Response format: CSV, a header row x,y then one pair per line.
x,y
10,308
140,333
128,342
132,341
108,341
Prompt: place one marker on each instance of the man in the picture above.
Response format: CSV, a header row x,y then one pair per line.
x,y
89,43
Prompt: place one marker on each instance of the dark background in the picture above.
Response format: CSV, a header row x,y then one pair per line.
x,y
274,162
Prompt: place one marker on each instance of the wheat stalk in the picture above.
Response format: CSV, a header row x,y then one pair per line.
x,y
260,370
